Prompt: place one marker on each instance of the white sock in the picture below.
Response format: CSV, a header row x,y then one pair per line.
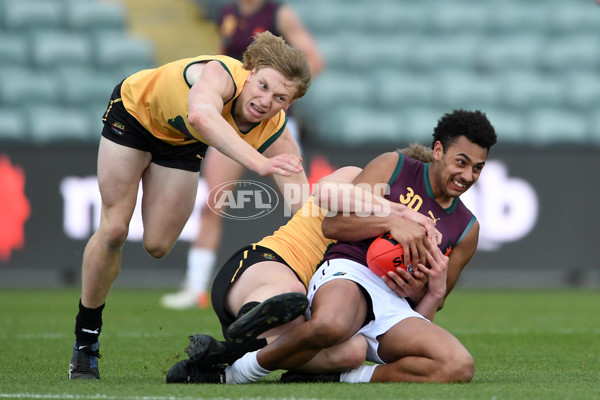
x,y
245,370
201,263
361,374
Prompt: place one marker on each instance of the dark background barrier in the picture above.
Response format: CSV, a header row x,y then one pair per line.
x,y
537,208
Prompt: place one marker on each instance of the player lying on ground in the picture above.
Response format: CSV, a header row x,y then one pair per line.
x,y
277,270
347,298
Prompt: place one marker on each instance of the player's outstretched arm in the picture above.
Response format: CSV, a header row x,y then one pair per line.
x,y
354,226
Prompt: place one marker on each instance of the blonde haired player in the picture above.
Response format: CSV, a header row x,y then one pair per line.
x,y
157,128
239,21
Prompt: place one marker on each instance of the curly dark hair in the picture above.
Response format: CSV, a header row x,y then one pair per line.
x,y
474,125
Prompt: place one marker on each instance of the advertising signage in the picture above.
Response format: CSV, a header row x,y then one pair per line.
x,y
535,208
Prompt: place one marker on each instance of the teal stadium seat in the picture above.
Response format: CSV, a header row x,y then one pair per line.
x,y
334,88
397,88
28,15
520,50
13,125
336,56
525,89
594,128
418,123
516,17
121,51
509,125
448,51
459,16
14,49
22,87
463,89
50,49
85,87
582,90
368,51
94,16
362,126
60,124
95,113
573,17
571,52
330,17
547,126
394,16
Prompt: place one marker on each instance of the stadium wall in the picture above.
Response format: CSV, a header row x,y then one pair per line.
x,y
537,207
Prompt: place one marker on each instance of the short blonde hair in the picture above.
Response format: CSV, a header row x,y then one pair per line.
x,y
268,50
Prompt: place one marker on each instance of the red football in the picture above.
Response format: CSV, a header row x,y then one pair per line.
x,y
386,254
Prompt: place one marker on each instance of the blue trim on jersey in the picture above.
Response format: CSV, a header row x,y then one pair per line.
x,y
467,229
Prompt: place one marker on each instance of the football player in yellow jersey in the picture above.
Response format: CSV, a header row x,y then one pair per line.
x,y
264,285
239,21
157,128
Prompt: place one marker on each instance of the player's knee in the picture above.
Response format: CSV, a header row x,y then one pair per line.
x,y
328,331
353,354
294,286
157,249
466,368
115,235
460,369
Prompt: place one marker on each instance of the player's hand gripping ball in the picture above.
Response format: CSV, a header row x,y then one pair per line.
x,y
386,254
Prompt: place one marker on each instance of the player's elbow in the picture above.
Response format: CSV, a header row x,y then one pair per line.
x,y
323,192
200,119
330,228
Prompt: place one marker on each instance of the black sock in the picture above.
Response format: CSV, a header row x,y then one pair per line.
x,y
235,351
247,307
88,324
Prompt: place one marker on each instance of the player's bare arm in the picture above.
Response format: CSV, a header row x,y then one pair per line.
x,y
292,170
408,233
461,255
211,87
413,286
436,271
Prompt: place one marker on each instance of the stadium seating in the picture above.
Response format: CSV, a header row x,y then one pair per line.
x,y
30,15
60,124
82,15
54,48
520,60
399,63
59,62
24,87
556,126
14,50
13,126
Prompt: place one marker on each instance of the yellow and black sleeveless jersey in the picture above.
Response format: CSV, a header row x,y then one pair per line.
x,y
300,242
158,99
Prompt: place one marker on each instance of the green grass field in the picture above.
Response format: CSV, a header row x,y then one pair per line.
x,y
526,345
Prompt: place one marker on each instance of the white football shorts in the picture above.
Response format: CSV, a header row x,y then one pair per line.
x,y
388,308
